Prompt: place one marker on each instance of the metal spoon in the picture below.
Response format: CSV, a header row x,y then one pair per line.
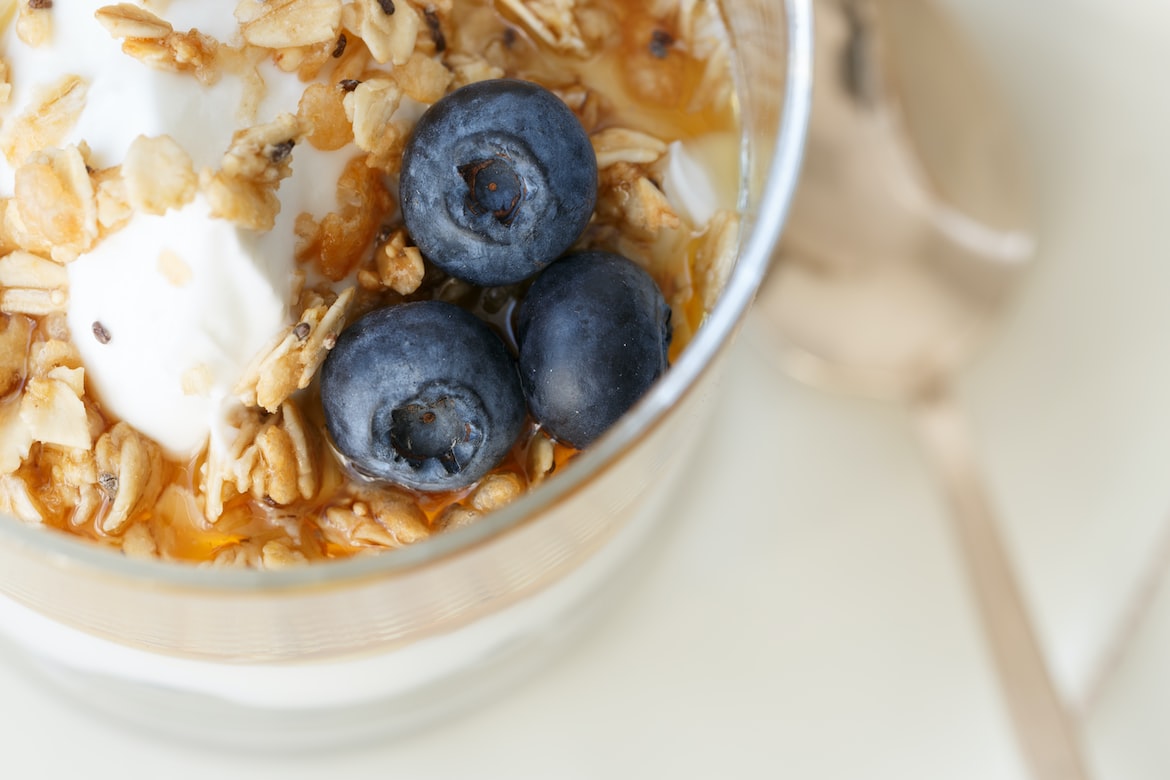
x,y
910,228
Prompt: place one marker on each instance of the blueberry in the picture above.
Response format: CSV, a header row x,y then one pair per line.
x,y
593,331
422,394
498,180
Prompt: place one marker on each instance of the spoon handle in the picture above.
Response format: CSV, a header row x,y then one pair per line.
x,y
1048,739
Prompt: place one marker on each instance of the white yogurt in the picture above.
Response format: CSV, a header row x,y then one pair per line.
x,y
186,301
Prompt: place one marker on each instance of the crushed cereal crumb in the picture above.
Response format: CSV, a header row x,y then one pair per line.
x,y
174,268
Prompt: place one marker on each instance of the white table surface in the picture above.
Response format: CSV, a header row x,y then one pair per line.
x,y
808,619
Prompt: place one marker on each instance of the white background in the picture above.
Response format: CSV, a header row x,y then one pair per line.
x,y
803,614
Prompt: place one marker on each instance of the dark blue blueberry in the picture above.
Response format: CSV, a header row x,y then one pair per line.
x,y
422,394
498,180
594,331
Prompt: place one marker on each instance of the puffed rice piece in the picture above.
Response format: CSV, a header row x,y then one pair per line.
x,y
423,78
496,491
175,269
321,113
339,242
399,267
278,555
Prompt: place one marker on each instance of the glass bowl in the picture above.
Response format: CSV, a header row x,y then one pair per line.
x,y
380,644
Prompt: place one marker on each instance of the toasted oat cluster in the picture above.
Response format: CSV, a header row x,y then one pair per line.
x,y
639,76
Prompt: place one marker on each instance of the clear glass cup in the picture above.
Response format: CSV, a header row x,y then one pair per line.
x,y
378,644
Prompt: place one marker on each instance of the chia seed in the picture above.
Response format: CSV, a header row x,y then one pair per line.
x,y
436,29
660,43
278,153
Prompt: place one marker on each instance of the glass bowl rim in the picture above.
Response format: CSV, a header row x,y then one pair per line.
x,y
716,332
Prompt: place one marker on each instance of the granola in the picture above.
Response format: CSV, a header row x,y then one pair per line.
x,y
266,489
